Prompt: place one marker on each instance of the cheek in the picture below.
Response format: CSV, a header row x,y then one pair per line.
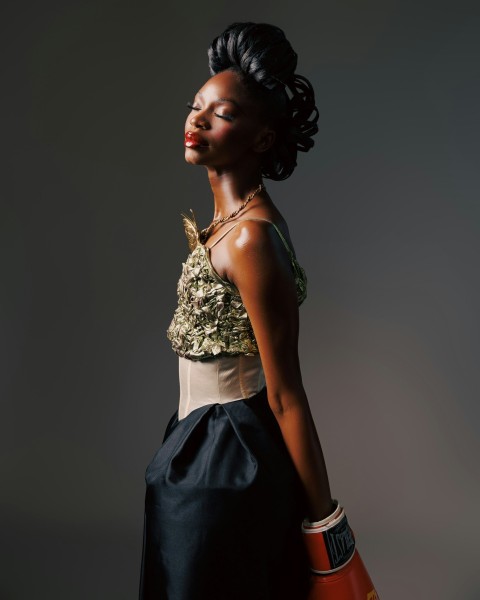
x,y
229,136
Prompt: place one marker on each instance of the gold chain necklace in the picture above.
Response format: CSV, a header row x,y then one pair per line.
x,y
204,233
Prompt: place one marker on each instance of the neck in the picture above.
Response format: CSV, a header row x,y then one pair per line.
x,y
230,190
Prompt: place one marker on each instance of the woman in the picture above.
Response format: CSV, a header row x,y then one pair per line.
x,y
239,484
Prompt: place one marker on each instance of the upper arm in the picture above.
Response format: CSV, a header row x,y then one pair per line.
x,y
261,270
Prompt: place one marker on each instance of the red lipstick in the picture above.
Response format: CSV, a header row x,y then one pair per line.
x,y
193,140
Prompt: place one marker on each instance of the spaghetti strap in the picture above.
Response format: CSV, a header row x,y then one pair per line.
x,y
285,243
223,234
259,219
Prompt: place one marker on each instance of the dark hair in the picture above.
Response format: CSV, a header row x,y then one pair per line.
x,y
266,62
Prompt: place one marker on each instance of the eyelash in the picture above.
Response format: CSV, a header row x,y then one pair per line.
x,y
226,117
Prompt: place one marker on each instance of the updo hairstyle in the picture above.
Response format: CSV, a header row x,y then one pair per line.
x,y
266,62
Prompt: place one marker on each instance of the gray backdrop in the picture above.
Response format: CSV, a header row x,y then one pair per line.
x,y
93,183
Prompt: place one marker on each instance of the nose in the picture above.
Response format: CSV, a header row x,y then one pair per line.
x,y
198,120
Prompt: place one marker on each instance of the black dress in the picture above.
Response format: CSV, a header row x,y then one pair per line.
x,y
223,509
224,503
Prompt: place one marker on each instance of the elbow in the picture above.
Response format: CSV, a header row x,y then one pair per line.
x,y
284,402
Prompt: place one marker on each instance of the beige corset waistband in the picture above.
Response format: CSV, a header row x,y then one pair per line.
x,y
219,379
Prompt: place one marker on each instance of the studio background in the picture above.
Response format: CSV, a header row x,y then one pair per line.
x,y
94,180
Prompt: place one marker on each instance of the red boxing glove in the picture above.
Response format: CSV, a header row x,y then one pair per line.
x,y
338,572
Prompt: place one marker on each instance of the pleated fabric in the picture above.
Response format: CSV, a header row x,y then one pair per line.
x,y
223,509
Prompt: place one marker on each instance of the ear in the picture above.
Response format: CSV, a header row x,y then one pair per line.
x,y
264,140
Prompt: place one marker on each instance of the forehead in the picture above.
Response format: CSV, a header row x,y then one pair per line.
x,y
226,84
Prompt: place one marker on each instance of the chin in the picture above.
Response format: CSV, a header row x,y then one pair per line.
x,y
194,158
192,161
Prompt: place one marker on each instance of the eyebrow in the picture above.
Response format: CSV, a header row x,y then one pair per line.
x,y
220,100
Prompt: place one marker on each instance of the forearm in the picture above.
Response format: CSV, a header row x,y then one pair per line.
x,y
301,438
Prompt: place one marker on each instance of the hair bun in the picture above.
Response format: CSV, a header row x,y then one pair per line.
x,y
304,113
264,57
259,50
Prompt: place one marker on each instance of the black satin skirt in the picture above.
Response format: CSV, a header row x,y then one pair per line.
x,y
223,509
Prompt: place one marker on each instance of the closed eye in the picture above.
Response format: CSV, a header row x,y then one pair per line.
x,y
226,117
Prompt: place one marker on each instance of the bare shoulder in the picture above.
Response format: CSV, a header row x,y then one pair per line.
x,y
257,254
257,229
252,235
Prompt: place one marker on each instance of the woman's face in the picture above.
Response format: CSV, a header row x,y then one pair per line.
x,y
224,127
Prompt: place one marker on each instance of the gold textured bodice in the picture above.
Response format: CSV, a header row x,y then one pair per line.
x,y
210,318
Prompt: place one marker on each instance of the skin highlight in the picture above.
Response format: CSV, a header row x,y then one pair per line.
x,y
255,260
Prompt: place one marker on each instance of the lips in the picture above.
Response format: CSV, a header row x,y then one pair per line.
x,y
193,140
